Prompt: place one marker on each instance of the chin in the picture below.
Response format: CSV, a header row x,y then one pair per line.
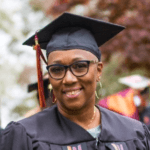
x,y
74,103
75,106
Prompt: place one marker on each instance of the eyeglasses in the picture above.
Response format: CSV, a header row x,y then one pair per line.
x,y
78,69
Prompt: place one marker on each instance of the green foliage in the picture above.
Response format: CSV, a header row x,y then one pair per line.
x,y
5,22
25,106
36,5
20,109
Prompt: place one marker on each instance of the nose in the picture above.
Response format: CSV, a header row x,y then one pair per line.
x,y
69,78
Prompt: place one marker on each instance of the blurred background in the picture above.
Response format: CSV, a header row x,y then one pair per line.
x,y
128,53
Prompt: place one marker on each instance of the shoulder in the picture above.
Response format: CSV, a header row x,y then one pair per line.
x,y
121,127
45,115
40,121
13,127
14,136
115,117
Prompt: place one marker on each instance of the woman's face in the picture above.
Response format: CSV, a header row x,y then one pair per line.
x,y
73,92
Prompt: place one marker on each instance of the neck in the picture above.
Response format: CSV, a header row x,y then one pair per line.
x,y
84,117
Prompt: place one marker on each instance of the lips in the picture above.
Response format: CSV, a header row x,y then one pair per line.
x,y
72,93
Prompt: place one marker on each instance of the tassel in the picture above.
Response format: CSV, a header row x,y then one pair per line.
x,y
39,72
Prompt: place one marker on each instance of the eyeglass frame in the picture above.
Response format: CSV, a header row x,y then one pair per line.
x,y
69,66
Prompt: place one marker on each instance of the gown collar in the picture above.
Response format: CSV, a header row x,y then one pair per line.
x,y
52,127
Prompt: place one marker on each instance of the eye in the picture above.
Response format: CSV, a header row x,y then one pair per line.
x,y
56,69
79,65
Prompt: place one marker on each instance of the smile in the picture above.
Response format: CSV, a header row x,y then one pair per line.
x,y
73,93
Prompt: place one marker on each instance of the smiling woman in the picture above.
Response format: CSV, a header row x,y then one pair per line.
x,y
75,90
75,122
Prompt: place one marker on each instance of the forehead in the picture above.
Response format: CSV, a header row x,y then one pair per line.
x,y
68,56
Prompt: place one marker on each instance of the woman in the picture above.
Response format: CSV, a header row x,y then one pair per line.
x,y
74,67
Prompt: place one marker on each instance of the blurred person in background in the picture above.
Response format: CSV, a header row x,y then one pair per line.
x,y
140,86
142,103
74,65
132,102
47,94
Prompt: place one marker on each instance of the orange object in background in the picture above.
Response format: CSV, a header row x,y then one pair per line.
x,y
122,103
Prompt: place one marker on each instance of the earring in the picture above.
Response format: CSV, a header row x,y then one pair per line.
x,y
54,101
96,95
50,87
51,94
100,85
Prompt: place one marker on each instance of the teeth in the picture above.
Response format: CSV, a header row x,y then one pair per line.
x,y
72,92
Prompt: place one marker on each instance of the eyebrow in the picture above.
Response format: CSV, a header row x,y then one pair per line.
x,y
75,59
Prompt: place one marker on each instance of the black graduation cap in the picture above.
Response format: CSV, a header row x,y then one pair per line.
x,y
70,31
102,31
47,92
34,86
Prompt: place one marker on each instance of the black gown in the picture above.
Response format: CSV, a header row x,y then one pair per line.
x,y
49,130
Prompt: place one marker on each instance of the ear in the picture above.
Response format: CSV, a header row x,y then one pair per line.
x,y
99,70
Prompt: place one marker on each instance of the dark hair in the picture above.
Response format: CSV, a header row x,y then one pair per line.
x,y
145,91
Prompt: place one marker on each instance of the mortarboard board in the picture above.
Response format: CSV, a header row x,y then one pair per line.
x,y
47,92
135,81
81,32
102,31
34,86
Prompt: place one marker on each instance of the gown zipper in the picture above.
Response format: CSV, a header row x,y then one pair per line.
x,y
96,143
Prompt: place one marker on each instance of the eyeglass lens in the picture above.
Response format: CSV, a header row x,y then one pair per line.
x,y
77,68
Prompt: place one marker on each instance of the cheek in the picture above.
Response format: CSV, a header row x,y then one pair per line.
x,y
92,75
90,80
